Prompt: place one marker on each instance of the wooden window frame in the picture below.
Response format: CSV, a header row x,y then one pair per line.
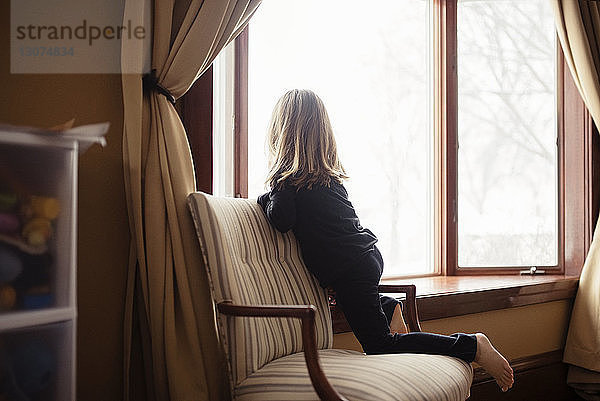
x,y
578,160
240,177
575,160
196,112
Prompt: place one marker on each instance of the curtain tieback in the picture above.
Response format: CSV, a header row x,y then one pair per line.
x,y
150,81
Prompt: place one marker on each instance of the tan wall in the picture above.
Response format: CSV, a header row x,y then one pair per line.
x,y
516,332
46,100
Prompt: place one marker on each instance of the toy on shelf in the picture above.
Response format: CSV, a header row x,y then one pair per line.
x,y
8,297
26,226
38,213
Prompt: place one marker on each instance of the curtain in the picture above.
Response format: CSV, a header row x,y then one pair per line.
x,y
578,26
168,301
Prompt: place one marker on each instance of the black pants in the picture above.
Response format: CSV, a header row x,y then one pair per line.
x,y
370,313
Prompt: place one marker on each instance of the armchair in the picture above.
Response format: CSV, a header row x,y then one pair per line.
x,y
275,326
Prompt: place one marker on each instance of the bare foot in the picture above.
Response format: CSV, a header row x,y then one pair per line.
x,y
397,324
493,362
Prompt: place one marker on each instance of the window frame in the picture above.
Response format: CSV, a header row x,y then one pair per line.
x,y
240,176
574,132
578,143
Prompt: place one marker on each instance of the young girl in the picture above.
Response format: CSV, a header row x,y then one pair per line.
x,y
307,196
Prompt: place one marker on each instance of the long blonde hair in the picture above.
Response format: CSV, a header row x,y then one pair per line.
x,y
302,148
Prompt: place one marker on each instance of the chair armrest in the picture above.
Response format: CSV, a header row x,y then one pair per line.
x,y
412,316
307,314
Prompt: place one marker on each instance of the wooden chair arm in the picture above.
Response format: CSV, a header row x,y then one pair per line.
x,y
307,314
411,315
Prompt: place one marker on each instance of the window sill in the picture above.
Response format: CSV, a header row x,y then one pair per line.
x,y
447,296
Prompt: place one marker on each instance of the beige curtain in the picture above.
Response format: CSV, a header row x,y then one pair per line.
x,y
168,299
578,26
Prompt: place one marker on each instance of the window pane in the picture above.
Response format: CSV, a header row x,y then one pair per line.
x,y
507,159
370,65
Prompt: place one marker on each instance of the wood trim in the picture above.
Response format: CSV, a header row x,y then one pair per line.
x,y
560,126
595,181
197,117
451,137
458,304
309,343
578,192
445,81
456,296
410,312
522,364
241,115
507,271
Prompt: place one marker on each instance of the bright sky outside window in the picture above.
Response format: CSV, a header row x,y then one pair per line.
x,y
507,160
371,66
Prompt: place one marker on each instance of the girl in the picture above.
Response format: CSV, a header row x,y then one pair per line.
x,y
307,196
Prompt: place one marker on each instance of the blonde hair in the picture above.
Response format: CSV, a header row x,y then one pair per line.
x,y
302,148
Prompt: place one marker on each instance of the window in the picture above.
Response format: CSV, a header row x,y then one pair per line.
x,y
496,203
375,80
507,134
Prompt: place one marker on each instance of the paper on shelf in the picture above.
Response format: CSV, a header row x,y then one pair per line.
x,y
86,135
91,133
63,126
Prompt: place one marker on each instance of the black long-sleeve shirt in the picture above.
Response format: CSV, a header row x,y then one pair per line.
x,y
325,225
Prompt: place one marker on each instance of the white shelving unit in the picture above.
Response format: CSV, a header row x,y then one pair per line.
x,y
37,339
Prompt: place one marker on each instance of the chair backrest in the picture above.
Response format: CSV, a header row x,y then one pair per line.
x,y
250,263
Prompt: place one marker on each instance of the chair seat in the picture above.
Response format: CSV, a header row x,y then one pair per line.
x,y
403,377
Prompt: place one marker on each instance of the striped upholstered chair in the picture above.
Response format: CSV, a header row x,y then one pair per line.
x,y
275,324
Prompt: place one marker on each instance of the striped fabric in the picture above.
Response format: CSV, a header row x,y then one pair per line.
x,y
402,377
250,263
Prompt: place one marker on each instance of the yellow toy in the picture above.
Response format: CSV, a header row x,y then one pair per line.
x,y
38,214
8,297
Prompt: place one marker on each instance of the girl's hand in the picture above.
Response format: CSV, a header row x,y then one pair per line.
x,y
263,200
280,208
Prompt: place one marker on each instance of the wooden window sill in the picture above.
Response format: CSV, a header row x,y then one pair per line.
x,y
447,296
